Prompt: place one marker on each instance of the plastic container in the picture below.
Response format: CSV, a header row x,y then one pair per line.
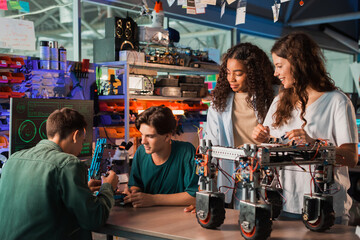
x,y
54,55
62,54
5,77
44,50
54,51
158,15
17,77
54,65
5,92
62,58
17,94
44,64
5,61
17,62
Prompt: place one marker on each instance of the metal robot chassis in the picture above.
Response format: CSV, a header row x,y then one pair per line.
x,y
257,212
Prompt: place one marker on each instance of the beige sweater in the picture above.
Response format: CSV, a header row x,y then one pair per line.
x,y
244,120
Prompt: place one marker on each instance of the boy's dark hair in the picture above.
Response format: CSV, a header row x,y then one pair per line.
x,y
64,122
161,118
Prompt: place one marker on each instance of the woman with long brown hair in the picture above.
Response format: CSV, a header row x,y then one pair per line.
x,y
240,100
310,107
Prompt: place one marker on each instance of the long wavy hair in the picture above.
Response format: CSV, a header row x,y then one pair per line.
x,y
307,67
258,82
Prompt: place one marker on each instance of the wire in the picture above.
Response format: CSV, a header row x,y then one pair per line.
x,y
197,149
277,177
105,130
304,170
227,175
257,164
312,180
317,151
40,11
228,188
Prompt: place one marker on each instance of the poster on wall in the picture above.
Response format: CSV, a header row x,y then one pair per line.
x,y
17,34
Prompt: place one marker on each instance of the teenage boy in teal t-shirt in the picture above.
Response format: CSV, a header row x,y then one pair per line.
x,y
163,170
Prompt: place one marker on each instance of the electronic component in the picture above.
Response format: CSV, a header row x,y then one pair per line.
x,y
139,84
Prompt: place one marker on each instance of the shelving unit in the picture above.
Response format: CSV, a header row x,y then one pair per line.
x,y
148,97
162,68
213,69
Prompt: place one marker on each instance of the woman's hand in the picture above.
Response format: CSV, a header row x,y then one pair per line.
x,y
261,133
299,136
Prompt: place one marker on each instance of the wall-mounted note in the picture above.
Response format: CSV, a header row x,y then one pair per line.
x,y
17,34
14,5
24,6
3,5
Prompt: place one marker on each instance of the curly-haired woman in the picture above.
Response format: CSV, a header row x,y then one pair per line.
x,y
242,96
307,108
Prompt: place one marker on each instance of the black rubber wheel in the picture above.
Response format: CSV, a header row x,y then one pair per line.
x,y
324,221
216,215
262,228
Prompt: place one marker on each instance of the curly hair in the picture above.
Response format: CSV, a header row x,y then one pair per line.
x,y
259,72
307,68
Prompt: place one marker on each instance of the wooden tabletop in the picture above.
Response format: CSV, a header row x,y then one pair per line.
x,y
174,223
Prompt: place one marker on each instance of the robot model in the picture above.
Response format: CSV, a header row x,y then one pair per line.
x,y
261,199
119,162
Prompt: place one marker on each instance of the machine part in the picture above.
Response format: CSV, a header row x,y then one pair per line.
x,y
273,196
319,179
140,84
118,163
311,209
210,209
96,160
254,220
324,213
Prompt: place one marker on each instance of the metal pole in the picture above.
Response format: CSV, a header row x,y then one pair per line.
x,y
77,30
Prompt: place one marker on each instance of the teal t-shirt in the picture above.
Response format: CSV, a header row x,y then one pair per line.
x,y
176,175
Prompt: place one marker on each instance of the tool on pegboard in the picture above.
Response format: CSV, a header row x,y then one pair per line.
x,y
80,72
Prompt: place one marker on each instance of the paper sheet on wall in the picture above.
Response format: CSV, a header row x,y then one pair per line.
x,y
210,2
170,2
190,7
240,12
200,7
3,5
199,4
222,8
276,10
181,2
25,7
14,5
17,34
355,71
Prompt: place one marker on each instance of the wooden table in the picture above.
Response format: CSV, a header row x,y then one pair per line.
x,y
174,223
